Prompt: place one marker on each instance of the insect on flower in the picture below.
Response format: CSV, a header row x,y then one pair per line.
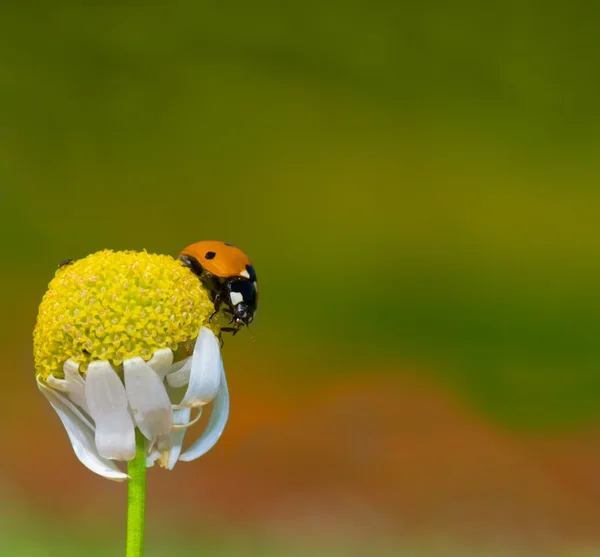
x,y
123,341
229,276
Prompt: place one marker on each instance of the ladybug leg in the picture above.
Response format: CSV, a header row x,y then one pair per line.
x,y
217,302
210,282
227,311
233,330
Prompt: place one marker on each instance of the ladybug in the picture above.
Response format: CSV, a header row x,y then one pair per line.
x,y
228,274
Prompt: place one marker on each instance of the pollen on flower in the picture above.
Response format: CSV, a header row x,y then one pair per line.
x,y
117,305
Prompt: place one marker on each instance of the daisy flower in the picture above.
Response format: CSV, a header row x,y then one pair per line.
x,y
122,344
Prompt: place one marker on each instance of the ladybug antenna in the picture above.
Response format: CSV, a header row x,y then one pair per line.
x,y
251,335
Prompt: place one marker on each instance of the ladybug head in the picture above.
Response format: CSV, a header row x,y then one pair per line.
x,y
242,296
243,314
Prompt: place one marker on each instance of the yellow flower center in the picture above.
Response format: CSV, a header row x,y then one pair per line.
x,y
117,305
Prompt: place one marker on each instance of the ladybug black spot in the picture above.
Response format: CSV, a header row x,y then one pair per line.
x,y
210,255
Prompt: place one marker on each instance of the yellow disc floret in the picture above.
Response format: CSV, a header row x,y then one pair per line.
x,y
117,305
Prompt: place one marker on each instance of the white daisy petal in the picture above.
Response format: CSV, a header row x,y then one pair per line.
x,y
172,447
185,425
57,384
81,435
162,361
152,457
76,384
215,426
148,398
107,403
181,363
73,384
206,372
181,376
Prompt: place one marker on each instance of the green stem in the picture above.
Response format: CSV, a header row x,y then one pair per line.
x,y
136,498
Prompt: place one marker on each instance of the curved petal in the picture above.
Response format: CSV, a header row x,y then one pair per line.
x,y
180,377
107,402
81,435
152,457
170,445
75,384
57,384
162,361
181,363
185,425
207,368
148,398
215,426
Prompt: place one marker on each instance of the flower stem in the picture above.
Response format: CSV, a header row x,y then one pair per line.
x,y
136,498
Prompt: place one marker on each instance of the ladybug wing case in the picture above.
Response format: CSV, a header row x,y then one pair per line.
x,y
218,258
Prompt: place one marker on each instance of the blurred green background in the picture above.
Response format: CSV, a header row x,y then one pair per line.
x,y
417,186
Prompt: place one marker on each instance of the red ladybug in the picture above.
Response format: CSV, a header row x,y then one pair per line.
x,y
228,275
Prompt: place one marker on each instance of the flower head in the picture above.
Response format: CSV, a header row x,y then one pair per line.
x,y
123,341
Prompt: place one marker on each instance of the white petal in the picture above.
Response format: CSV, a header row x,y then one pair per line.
x,y
170,445
57,384
181,363
75,384
78,413
107,402
215,426
162,361
81,435
148,398
152,458
181,376
185,425
207,368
